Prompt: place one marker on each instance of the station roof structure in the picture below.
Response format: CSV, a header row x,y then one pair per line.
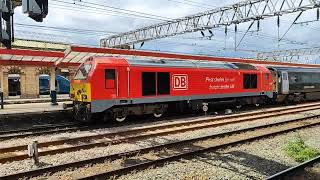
x,y
29,57
34,52
63,55
78,54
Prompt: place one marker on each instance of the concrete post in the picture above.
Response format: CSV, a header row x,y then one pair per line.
x,y
33,152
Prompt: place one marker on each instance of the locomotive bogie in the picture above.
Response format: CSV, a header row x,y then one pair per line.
x,y
123,111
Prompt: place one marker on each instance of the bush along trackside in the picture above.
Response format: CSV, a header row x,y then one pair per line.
x,y
298,150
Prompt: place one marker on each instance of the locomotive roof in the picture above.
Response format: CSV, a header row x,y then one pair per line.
x,y
187,63
295,69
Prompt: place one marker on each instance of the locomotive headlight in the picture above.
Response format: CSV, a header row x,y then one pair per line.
x,y
84,96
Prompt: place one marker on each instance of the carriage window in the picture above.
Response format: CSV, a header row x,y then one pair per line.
x,y
148,83
110,78
285,76
163,79
250,81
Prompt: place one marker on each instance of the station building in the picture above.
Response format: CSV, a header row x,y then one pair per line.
x,y
22,66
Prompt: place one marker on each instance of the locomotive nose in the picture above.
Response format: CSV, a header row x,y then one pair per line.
x,y
80,92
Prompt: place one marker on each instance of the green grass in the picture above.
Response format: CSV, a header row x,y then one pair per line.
x,y
299,151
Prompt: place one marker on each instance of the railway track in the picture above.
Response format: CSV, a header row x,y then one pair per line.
x,y
72,127
15,153
293,172
160,154
41,130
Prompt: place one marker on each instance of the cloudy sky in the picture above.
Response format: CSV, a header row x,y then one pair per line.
x,y
86,22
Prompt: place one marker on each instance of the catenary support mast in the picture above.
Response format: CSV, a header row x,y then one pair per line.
x,y
233,14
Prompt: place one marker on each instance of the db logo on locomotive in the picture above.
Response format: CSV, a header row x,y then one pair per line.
x,y
180,81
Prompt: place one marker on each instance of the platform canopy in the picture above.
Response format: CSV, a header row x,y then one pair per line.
x,y
29,57
74,55
78,54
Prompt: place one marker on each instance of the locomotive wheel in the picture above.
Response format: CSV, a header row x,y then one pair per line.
x,y
257,105
157,114
120,119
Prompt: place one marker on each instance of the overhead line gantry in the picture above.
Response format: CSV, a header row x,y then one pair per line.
x,y
289,54
225,16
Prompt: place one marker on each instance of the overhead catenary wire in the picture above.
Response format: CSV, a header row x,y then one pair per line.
x,y
168,19
72,30
195,4
189,4
126,10
94,11
114,9
101,32
150,16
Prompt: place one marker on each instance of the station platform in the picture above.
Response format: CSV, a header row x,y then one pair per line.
x,y
32,108
41,99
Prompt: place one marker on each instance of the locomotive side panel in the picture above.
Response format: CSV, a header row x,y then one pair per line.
x,y
119,87
193,83
108,80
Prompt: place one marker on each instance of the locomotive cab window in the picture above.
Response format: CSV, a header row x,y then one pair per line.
x,y
163,82
148,83
110,78
250,81
83,72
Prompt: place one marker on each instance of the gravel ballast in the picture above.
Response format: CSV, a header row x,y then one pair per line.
x,y
255,160
50,137
14,167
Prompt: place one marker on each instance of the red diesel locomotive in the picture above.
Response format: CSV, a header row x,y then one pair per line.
x,y
117,87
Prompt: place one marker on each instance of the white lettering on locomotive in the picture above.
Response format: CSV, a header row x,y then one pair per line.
x,y
180,81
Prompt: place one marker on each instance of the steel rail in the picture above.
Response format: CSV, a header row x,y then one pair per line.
x,y
156,127
161,161
36,131
40,130
38,127
293,170
136,134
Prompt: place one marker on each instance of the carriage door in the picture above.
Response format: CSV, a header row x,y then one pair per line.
x,y
111,82
285,82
